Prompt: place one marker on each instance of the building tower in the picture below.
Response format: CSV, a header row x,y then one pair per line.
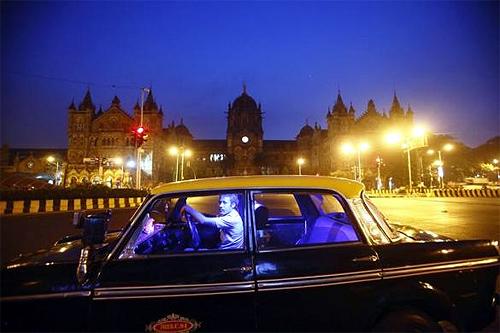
x,y
244,135
340,124
79,128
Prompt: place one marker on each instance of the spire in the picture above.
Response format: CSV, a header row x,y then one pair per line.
x,y
351,109
99,112
115,101
371,107
72,105
395,101
150,103
339,106
396,110
161,110
87,103
244,88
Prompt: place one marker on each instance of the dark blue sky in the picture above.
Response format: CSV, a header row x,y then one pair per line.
x,y
442,58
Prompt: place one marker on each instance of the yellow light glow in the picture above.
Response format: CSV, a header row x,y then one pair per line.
x,y
418,131
437,163
51,159
393,137
363,146
188,153
118,160
347,148
173,150
430,152
495,161
448,147
301,161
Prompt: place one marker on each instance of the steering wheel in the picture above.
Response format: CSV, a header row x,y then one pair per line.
x,y
195,237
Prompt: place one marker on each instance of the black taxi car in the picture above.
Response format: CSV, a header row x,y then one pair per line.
x,y
274,253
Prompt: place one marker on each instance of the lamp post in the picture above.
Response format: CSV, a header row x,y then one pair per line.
x,y
347,148
119,161
379,181
52,160
139,151
439,162
130,165
416,139
300,163
183,153
174,151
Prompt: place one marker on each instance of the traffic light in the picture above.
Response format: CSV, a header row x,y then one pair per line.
x,y
140,136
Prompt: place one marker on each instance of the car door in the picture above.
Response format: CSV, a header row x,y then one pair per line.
x,y
314,269
177,288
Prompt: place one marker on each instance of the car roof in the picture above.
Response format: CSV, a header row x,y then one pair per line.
x,y
347,187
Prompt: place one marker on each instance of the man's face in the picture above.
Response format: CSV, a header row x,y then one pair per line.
x,y
225,205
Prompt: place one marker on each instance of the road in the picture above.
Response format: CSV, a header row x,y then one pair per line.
x,y
458,218
30,232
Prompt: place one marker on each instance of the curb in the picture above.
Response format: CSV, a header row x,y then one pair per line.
x,y
12,207
459,193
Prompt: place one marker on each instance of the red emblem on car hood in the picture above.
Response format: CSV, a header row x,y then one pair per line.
x,y
173,323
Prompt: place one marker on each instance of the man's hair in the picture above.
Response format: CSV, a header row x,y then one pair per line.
x,y
232,197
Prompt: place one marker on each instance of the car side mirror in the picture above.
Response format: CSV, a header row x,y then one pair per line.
x,y
95,227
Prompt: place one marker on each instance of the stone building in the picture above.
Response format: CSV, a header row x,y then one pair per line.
x,y
97,138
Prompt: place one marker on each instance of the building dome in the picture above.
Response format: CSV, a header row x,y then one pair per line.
x,y
244,103
306,131
182,130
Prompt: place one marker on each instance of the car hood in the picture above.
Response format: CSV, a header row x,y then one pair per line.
x,y
419,234
61,252
49,271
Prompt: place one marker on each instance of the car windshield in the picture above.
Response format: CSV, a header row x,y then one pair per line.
x,y
381,219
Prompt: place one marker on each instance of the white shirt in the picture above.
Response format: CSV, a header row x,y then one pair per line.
x,y
231,227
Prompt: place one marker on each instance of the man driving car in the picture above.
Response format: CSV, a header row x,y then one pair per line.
x,y
228,221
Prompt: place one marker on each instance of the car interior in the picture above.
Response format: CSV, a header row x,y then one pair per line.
x,y
282,220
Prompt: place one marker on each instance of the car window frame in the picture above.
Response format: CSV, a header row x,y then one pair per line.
x,y
360,232
384,225
138,216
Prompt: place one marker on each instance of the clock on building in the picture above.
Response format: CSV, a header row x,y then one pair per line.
x,y
245,139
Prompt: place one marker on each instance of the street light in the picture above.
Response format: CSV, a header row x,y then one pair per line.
x,y
495,161
439,162
52,160
119,161
300,163
347,148
183,153
138,148
173,151
379,180
416,139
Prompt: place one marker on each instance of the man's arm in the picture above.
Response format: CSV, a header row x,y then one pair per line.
x,y
199,216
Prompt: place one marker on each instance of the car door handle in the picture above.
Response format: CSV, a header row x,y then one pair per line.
x,y
242,269
371,258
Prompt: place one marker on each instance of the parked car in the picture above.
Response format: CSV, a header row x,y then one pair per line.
x,y
274,253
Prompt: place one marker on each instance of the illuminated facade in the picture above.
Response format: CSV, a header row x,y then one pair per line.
x,y
96,138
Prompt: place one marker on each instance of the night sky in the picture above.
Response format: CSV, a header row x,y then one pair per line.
x,y
442,58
